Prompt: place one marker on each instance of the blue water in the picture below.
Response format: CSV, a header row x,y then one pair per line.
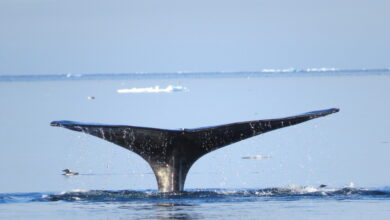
x,y
350,146
294,202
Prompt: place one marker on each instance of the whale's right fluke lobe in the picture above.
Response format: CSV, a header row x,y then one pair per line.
x,y
171,153
216,137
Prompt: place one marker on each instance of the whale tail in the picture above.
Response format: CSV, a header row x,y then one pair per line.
x,y
171,153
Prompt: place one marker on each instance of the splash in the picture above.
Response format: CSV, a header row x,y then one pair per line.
x,y
293,192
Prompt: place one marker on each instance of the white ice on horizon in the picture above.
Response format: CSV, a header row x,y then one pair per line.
x,y
155,89
288,70
291,70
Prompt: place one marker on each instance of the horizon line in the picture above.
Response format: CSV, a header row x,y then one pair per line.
x,y
137,75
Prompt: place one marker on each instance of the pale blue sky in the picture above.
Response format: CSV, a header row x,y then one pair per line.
x,y
79,36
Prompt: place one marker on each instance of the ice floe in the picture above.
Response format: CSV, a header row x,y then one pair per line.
x,y
155,89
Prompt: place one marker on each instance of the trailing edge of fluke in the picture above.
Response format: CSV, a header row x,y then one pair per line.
x,y
171,153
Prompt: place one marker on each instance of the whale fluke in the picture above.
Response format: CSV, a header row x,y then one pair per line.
x,y
171,153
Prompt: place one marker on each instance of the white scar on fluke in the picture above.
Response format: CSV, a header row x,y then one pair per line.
x,y
256,157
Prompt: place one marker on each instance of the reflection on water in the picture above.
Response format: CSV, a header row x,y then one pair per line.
x,y
172,211
140,210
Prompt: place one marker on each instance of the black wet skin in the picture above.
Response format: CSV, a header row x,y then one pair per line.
x,y
171,153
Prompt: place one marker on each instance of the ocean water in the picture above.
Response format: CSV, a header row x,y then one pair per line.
x,y
347,151
293,202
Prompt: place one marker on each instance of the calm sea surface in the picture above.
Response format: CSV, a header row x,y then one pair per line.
x,y
347,151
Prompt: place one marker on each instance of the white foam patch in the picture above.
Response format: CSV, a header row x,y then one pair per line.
x,y
75,191
302,189
155,89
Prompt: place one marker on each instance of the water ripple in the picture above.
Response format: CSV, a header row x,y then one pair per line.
x,y
201,196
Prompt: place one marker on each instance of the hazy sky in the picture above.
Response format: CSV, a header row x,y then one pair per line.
x,y
116,36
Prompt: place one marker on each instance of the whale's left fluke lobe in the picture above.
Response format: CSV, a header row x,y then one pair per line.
x,y
219,136
171,153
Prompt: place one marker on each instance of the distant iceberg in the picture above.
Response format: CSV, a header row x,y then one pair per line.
x,y
155,89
